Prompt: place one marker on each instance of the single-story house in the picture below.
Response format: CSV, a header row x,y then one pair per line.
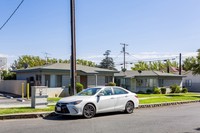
x,y
58,75
142,80
191,82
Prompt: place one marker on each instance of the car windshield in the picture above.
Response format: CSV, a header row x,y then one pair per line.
x,y
88,92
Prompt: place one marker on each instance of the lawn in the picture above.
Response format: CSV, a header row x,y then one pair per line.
x,y
143,98
160,98
4,111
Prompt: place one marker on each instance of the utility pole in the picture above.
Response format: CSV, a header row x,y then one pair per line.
x,y
46,57
124,51
180,68
73,48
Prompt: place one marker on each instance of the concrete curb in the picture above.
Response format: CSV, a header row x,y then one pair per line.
x,y
27,116
165,104
49,114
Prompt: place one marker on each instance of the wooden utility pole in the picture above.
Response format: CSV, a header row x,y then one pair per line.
x,y
73,48
124,52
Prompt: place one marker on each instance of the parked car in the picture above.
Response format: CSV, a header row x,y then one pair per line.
x,y
98,100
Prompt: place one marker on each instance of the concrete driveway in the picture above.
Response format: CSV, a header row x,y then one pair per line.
x,y
11,100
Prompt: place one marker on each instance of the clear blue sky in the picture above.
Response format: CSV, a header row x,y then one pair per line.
x,y
150,27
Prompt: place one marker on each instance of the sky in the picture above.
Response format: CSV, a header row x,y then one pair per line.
x,y
153,29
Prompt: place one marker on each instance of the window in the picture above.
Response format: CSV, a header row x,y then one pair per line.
x,y
188,83
89,92
108,79
107,91
139,82
118,91
59,81
47,80
38,80
161,82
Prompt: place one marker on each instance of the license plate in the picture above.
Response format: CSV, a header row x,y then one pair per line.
x,y
58,108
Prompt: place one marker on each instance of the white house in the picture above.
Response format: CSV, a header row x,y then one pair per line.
x,y
192,82
143,80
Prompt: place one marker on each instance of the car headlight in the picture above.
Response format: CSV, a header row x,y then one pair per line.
x,y
75,102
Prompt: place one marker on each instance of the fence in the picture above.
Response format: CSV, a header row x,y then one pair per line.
x,y
13,86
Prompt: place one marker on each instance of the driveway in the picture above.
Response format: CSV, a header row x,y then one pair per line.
x,y
10,100
170,119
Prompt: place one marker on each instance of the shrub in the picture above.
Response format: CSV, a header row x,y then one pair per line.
x,y
149,91
111,84
178,89
156,90
163,90
140,92
173,88
184,90
79,87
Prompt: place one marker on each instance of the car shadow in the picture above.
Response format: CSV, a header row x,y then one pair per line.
x,y
196,96
198,129
55,117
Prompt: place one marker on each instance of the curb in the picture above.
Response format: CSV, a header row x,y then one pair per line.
x,y
50,114
27,116
165,104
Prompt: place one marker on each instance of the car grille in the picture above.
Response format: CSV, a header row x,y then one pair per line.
x,y
63,106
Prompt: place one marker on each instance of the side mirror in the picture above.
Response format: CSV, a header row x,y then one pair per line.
x,y
100,94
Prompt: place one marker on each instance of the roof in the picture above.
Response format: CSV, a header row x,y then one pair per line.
x,y
66,67
132,74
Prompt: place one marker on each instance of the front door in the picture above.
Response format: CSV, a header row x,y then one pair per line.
x,y
83,81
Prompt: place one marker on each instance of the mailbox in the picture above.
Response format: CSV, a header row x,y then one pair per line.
x,y
39,96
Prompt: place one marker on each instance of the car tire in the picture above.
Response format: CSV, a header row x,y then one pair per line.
x,y
89,111
129,107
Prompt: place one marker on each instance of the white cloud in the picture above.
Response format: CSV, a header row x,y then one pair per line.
x,y
143,56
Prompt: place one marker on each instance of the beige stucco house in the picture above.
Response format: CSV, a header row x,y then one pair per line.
x,y
58,75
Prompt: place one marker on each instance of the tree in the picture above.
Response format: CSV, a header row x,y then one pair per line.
x,y
107,62
33,61
196,66
158,66
140,66
188,63
85,62
27,61
7,75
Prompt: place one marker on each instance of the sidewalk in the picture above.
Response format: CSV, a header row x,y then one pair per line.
x,y
12,101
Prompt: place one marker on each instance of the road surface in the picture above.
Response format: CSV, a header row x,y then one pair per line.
x,y
171,119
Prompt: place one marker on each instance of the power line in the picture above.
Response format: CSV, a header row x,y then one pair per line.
x,y
12,14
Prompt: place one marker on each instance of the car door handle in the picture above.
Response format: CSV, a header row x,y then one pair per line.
x,y
112,98
126,96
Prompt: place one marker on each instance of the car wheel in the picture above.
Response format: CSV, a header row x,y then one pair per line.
x,y
89,111
129,107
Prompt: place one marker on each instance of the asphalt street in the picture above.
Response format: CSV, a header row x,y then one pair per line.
x,y
170,119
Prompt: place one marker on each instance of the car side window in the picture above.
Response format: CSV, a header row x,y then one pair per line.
x,y
118,91
107,91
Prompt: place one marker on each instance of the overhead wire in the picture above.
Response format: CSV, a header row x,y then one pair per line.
x,y
11,15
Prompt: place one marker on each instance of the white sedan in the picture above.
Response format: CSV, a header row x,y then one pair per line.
x,y
98,100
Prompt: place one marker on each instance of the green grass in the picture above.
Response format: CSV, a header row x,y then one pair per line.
x,y
53,99
160,98
4,111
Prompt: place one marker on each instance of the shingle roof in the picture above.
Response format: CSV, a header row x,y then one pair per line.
x,y
65,66
132,74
